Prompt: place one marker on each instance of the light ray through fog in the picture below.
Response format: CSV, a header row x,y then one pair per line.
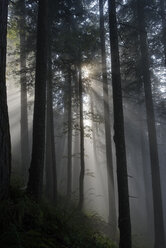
x,y
13,96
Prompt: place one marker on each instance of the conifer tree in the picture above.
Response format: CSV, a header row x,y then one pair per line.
x,y
119,137
35,182
153,148
5,151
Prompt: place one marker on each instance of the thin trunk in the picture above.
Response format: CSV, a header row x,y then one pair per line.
x,y
146,179
69,168
35,182
76,137
51,113
5,145
69,25
48,159
163,19
119,137
24,113
107,123
156,185
48,156
92,109
50,137
82,171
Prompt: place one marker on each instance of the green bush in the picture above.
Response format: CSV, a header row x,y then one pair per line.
x,y
26,224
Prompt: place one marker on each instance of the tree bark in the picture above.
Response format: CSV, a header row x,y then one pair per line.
x,y
5,145
51,165
107,123
48,158
69,168
50,149
119,137
35,182
51,173
163,19
156,184
82,162
25,155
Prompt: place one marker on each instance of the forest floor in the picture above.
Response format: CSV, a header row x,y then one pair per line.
x,y
26,224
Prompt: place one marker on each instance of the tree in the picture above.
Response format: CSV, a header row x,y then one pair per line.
x,y
51,172
163,19
24,115
5,151
155,169
69,167
119,137
111,190
35,182
82,159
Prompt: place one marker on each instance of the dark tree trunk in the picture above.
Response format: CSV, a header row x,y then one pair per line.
x,y
156,185
50,144
76,136
163,19
107,123
119,137
25,156
35,182
48,159
69,167
82,162
51,169
5,146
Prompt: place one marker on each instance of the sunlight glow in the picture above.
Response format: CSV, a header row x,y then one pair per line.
x,y
87,120
86,72
161,75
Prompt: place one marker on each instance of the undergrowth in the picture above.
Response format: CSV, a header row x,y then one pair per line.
x,y
26,224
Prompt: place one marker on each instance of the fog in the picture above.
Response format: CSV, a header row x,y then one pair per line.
x,y
64,95
96,179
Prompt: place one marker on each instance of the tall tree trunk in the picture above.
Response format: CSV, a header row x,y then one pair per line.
x,y
51,169
50,149
35,182
69,26
51,173
119,137
69,167
25,156
48,158
5,145
107,123
146,179
82,162
163,19
156,185
76,136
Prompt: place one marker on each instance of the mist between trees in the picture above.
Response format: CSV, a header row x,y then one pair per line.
x,y
82,110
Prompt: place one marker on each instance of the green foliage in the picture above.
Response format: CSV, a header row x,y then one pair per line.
x,y
102,241
13,32
26,224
